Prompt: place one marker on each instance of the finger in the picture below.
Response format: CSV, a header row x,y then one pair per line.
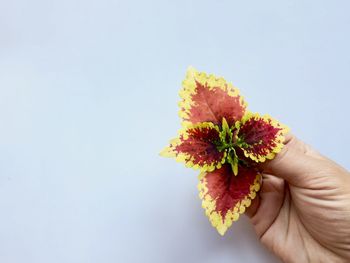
x,y
254,206
266,208
295,162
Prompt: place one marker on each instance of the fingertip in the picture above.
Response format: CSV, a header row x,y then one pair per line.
x,y
253,208
288,137
286,161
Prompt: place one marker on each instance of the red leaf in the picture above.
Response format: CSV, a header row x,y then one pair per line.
x,y
260,137
225,196
196,147
207,98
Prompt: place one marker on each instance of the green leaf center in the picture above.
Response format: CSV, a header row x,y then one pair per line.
x,y
228,142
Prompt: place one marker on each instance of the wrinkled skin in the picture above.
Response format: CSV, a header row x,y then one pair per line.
x,y
302,213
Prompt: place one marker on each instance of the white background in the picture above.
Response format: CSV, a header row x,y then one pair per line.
x,y
88,97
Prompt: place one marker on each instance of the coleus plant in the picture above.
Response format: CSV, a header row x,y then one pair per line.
x,y
226,142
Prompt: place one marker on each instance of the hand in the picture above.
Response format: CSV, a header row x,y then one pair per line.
x,y
302,213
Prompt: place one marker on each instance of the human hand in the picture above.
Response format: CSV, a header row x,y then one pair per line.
x,y
302,213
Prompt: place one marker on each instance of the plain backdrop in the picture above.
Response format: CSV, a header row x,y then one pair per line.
x,y
88,98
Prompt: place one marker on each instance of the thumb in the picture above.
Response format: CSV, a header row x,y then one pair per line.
x,y
297,163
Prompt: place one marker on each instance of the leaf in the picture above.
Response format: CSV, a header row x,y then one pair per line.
x,y
225,196
207,98
196,146
260,137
